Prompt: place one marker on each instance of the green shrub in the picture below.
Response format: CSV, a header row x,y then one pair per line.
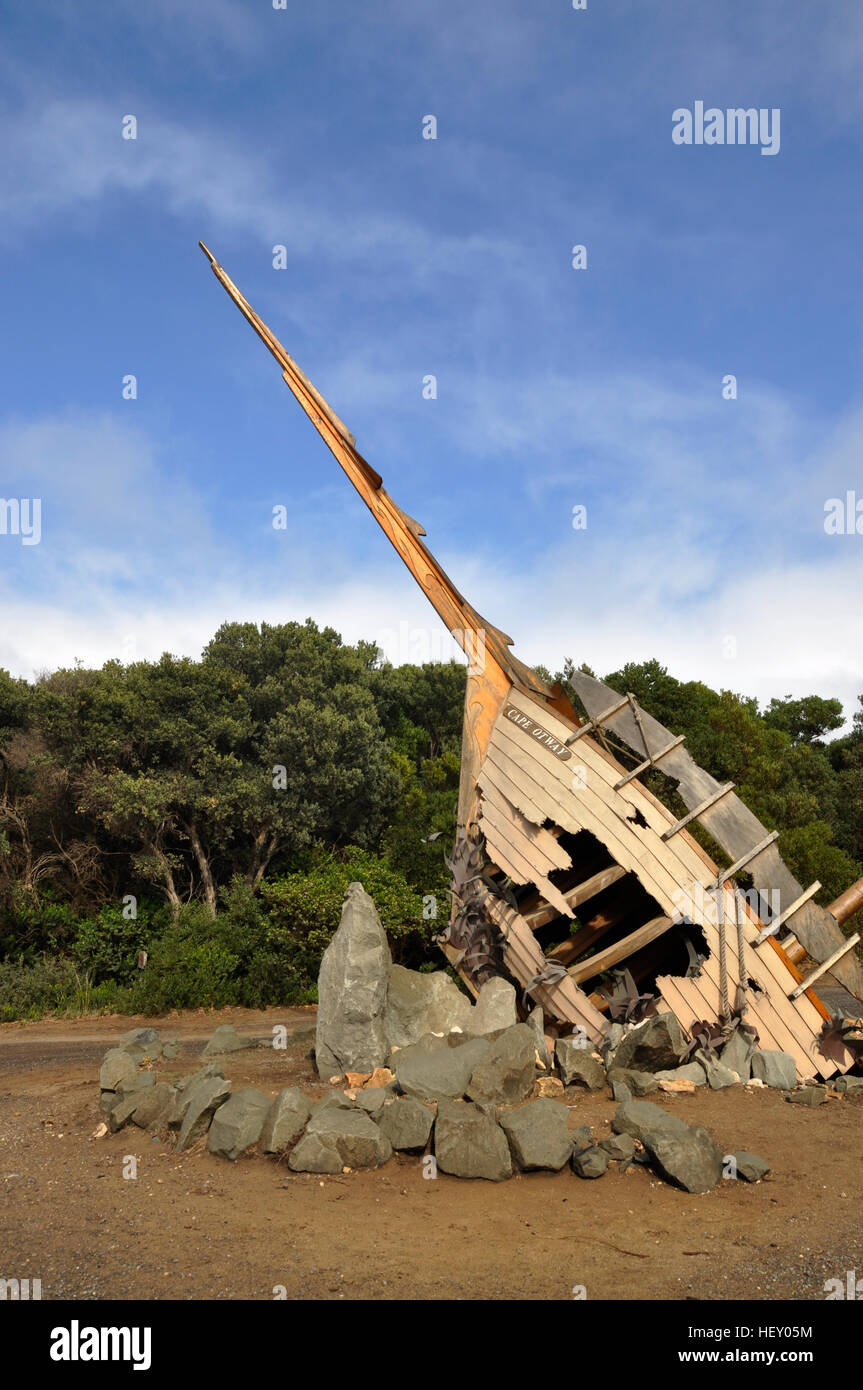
x,y
107,946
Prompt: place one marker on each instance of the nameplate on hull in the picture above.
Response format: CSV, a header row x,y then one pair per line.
x,y
548,740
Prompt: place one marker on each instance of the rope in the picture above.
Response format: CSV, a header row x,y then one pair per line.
x,y
723,959
741,964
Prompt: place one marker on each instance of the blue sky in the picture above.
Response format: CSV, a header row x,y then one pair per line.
x,y
705,544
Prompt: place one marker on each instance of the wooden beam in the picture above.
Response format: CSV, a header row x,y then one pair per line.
x,y
649,762
595,723
772,927
604,960
587,937
698,810
746,858
574,897
825,966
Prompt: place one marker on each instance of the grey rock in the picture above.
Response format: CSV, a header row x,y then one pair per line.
x,y
638,1083
620,1147
442,1074
750,1167
141,1081
202,1103
737,1054
314,1154
508,1071
775,1069
691,1071
495,1008
691,1161
334,1100
620,1091
117,1066
418,1003
848,1084
144,1039
807,1095
653,1046
718,1074
614,1035
107,1101
684,1154
238,1123
538,1135
581,1138
352,990
578,1066
227,1039
184,1091
350,1134
469,1144
154,1107
170,1051
536,1021
642,1119
406,1123
590,1163
429,1042
372,1101
285,1121
122,1111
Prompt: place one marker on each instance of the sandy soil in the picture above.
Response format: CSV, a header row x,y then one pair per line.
x,y
192,1226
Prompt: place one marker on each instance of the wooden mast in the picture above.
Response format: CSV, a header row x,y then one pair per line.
x,y
492,668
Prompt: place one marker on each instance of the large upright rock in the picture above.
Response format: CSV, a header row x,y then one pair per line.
x,y
419,1003
494,1009
352,990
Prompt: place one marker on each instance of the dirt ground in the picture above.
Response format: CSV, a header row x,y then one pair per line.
x,y
193,1226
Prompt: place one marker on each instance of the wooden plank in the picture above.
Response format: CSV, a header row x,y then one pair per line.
x,y
649,762
612,955
520,863
773,927
595,723
586,937
698,810
825,966
530,839
581,893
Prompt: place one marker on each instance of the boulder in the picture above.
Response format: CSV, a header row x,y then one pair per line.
x,y
807,1095
406,1123
469,1144
691,1161
641,1119
578,1066
640,1083
238,1123
350,1135
656,1045
777,1069
145,1040
185,1090
227,1039
495,1008
170,1051
538,1135
717,1073
620,1091
507,1073
285,1121
684,1154
154,1107
352,990
201,1105
750,1167
117,1066
590,1163
132,1085
334,1100
737,1054
418,1003
443,1074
